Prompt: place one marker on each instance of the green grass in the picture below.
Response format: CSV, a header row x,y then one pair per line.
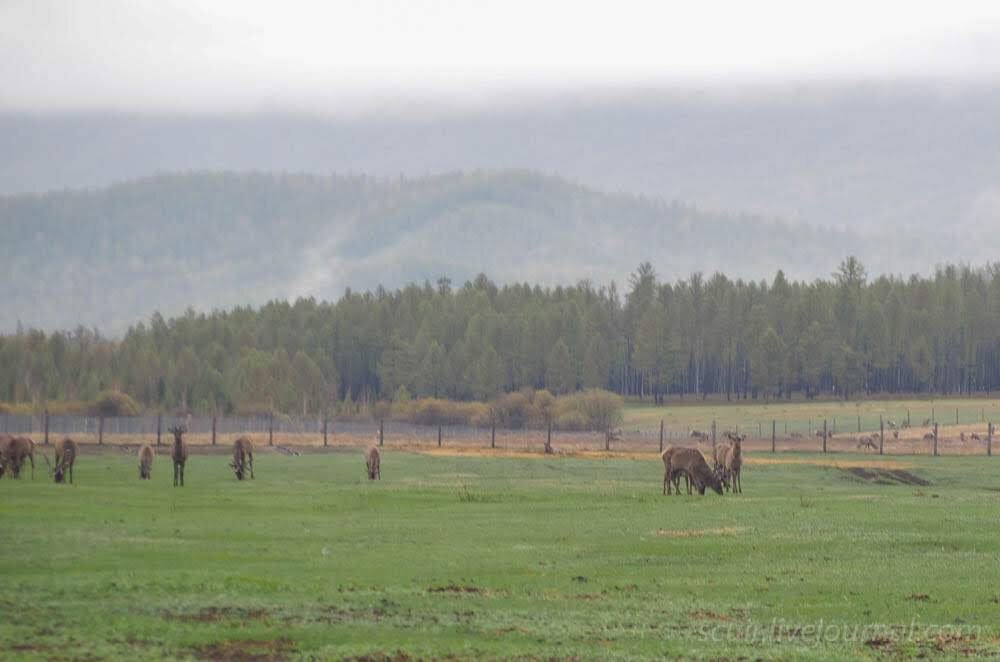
x,y
485,557
803,416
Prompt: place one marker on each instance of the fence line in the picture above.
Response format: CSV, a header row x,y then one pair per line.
x,y
773,435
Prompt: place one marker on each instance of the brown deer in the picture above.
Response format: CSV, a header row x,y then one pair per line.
x,y
17,450
4,442
242,457
179,454
373,461
65,457
867,443
146,457
691,463
732,466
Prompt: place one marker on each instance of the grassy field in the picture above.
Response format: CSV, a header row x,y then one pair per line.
x,y
803,416
474,556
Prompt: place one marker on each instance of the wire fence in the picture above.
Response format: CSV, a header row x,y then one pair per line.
x,y
888,436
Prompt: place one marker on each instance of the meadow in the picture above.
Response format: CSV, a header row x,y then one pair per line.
x,y
472,556
805,415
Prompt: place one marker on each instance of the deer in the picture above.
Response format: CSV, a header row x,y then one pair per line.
x,y
975,437
867,443
732,465
4,442
179,454
146,457
691,463
65,451
373,462
242,457
14,454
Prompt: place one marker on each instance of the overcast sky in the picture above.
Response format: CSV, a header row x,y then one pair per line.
x,y
350,57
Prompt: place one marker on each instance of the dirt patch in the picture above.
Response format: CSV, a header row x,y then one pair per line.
x,y
886,476
706,615
454,588
258,650
823,462
214,614
697,533
883,644
398,656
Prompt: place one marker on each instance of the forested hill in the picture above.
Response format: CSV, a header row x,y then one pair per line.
x,y
111,256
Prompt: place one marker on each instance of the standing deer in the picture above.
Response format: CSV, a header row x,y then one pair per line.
x,y
733,465
373,461
146,456
14,454
242,457
179,454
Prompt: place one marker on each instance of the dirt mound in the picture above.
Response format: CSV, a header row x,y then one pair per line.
x,y
886,476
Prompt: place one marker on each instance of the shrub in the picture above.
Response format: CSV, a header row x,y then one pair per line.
x,y
114,403
592,409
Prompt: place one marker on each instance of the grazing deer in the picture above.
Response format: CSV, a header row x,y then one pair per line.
x,y
373,462
242,457
16,451
146,456
929,436
975,437
895,434
4,442
690,463
867,443
179,454
65,457
961,436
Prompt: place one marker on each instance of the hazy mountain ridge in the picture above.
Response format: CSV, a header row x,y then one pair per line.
x,y
108,257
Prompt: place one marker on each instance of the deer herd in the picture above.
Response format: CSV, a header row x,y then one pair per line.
x,y
15,451
689,463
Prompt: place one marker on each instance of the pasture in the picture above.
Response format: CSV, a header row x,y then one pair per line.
x,y
843,417
472,556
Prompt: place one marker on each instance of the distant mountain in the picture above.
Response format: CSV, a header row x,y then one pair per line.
x,y
111,256
896,157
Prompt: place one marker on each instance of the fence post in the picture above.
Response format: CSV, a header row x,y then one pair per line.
x,y
774,425
933,418
881,434
215,420
661,435
824,435
46,427
270,429
493,435
324,428
935,439
548,438
381,432
100,431
956,415
713,438
989,439
834,431
159,426
859,423
439,436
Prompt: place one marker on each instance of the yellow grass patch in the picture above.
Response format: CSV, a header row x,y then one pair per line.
x,y
698,533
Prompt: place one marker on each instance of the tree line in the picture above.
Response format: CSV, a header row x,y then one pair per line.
x,y
844,336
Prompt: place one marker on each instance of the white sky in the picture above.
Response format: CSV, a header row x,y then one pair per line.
x,y
346,57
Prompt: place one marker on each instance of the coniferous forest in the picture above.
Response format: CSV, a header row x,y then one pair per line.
x,y
846,336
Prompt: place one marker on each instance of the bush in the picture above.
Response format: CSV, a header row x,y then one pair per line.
x,y
435,411
114,403
592,409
